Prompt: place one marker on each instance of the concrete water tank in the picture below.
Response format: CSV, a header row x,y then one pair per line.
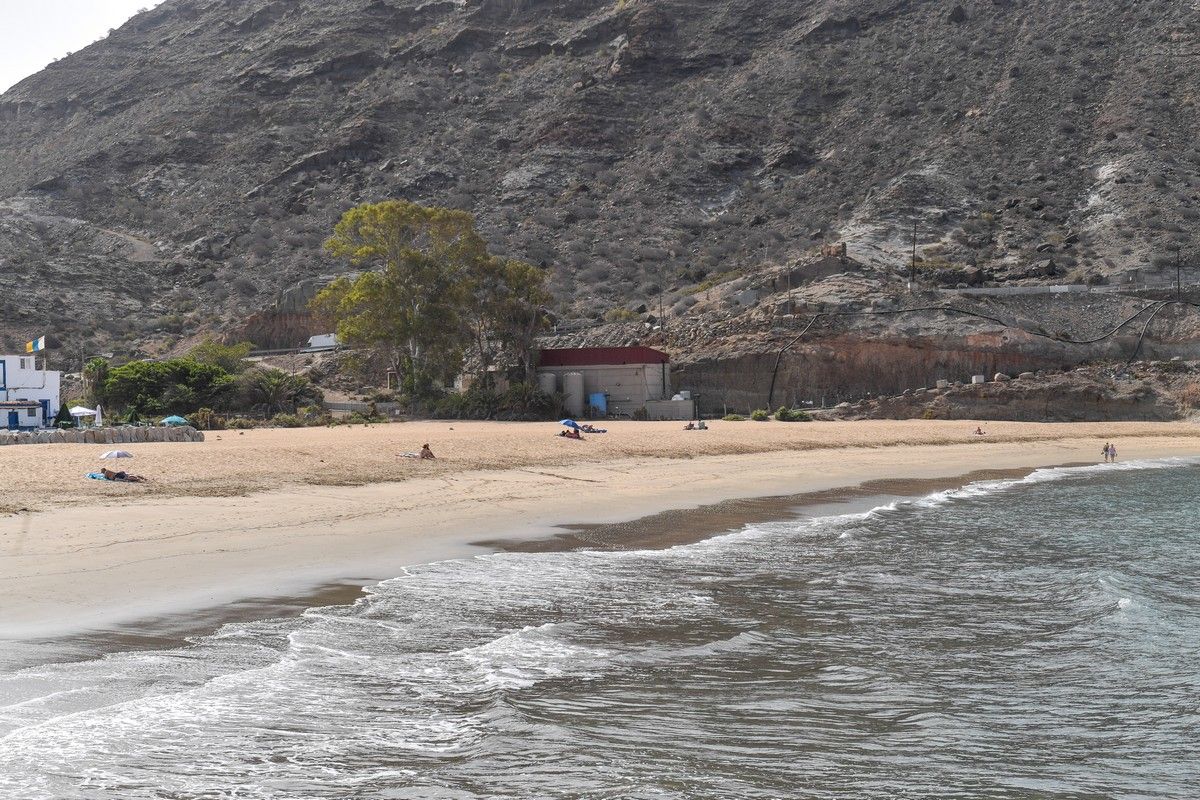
x,y
547,382
573,389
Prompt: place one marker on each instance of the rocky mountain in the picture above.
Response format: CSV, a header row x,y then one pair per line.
x,y
180,175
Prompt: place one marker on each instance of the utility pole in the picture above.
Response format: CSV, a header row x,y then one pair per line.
x,y
912,272
1178,276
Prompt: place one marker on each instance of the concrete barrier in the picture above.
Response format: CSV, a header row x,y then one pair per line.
x,y
103,436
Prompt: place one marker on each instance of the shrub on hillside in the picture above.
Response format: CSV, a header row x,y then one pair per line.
x,y
760,415
1189,395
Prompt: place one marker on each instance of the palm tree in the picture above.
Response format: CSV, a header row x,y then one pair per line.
x,y
273,391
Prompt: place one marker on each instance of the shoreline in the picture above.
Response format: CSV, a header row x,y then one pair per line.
x,y
114,567
657,531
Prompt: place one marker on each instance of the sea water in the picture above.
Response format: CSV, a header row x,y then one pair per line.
x,y
1035,638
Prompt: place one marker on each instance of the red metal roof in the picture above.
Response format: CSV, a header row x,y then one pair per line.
x,y
601,356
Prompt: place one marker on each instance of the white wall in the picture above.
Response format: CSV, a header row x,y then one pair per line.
x,y
25,380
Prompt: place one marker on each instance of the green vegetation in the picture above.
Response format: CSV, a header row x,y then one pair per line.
x,y
273,391
64,419
229,357
151,389
432,291
733,418
177,386
95,373
785,414
760,415
521,401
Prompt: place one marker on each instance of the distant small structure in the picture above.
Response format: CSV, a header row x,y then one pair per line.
x,y
322,342
613,381
29,393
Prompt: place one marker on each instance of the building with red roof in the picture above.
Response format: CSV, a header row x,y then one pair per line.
x,y
612,381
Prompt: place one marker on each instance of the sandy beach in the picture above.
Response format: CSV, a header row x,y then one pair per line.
x,y
280,512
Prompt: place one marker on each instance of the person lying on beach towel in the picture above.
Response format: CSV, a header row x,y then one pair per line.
x,y
571,434
425,455
115,477
592,429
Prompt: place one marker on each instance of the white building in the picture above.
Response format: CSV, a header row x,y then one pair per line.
x,y
325,341
29,393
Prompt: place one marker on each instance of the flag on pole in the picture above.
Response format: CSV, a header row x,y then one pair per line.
x,y
36,346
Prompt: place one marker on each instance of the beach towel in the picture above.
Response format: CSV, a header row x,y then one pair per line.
x,y
99,476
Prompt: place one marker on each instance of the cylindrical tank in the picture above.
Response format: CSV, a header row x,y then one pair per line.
x,y
573,389
547,382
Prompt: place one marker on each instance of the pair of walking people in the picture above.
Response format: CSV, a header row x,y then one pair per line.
x,y
1110,453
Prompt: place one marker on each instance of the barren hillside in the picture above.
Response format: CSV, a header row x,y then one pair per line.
x,y
180,174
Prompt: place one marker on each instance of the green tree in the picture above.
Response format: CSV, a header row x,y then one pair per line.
x,y
229,357
410,303
507,301
177,386
433,289
64,419
95,373
272,391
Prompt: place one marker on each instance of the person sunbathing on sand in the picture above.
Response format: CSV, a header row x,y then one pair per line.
x,y
121,477
425,455
571,434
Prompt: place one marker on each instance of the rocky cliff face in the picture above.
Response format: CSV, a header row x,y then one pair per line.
x,y
181,173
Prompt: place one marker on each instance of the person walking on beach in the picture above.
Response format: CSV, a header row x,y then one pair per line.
x,y
1105,451
1112,453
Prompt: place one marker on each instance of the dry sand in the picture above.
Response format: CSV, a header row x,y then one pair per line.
x,y
276,512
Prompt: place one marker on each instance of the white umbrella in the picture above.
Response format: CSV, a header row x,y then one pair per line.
x,y
99,417
80,411
112,454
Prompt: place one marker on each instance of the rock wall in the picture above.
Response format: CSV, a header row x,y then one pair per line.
x,y
103,436
1083,395
848,367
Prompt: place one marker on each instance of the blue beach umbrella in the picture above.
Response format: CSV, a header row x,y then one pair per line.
x,y
570,423
175,422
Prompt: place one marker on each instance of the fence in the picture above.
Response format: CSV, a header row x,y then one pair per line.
x,y
387,409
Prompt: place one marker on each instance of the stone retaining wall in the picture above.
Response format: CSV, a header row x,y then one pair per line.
x,y
103,436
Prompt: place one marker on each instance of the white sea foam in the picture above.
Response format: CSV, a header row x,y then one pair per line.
x,y
783,635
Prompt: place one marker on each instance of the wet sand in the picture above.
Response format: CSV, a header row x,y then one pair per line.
x,y
656,531
132,554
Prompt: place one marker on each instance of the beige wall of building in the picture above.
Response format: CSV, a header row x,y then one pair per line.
x,y
628,386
